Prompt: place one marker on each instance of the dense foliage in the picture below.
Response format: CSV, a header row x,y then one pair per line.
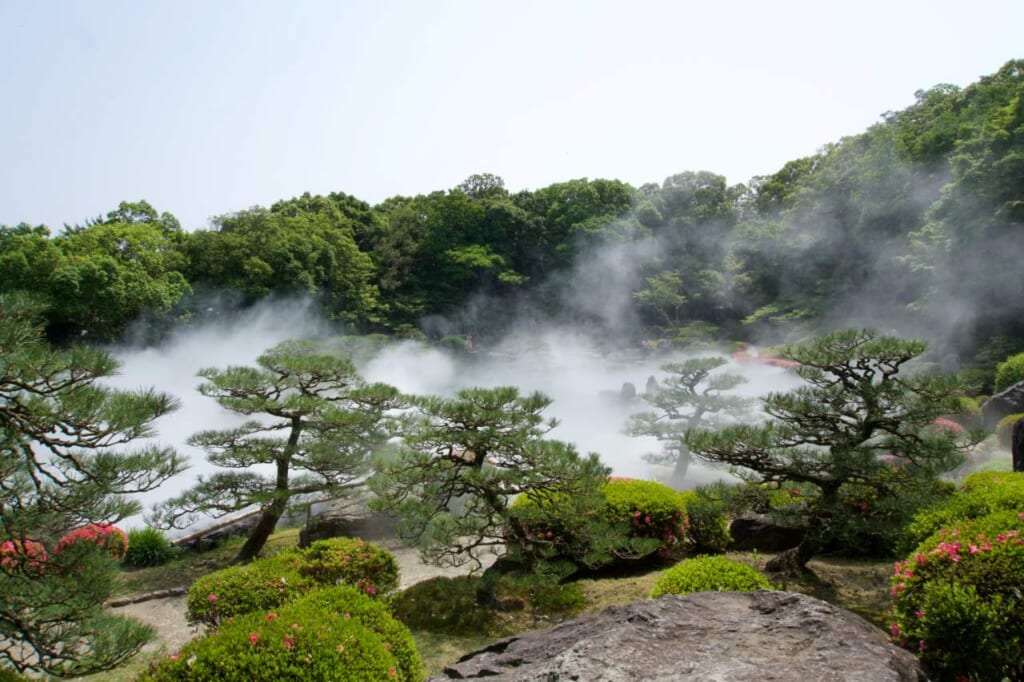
x,y
335,633
918,215
860,433
69,466
957,601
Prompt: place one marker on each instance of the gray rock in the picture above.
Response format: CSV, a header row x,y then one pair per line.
x,y
1010,401
757,532
349,517
727,636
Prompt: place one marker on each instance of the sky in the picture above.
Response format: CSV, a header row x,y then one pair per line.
x,y
204,107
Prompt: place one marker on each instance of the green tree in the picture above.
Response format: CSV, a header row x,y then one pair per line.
x,y
63,465
316,423
692,395
861,434
464,459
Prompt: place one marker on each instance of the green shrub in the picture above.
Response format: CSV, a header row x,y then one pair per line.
x,y
334,633
709,574
707,515
630,520
350,560
444,605
957,600
1004,428
1009,372
263,584
981,494
148,547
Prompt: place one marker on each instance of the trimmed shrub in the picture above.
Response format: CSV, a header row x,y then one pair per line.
x,y
709,574
350,560
263,584
981,494
334,633
957,601
444,605
707,514
630,520
1004,429
1009,372
148,547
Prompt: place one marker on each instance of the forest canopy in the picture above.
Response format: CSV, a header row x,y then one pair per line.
x,y
911,224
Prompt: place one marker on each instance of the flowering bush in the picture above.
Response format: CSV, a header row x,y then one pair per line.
x,y
263,584
107,537
980,494
27,555
335,633
350,560
709,574
653,510
957,601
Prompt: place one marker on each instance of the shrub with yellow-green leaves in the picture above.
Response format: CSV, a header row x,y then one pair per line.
x,y
709,574
331,634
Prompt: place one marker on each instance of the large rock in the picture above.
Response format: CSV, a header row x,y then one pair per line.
x,y
757,532
732,636
1010,401
347,517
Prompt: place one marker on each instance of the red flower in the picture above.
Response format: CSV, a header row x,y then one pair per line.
x,y
254,637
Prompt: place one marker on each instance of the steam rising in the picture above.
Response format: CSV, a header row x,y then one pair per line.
x,y
584,383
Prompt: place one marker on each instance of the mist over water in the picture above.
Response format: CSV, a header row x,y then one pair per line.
x,y
584,384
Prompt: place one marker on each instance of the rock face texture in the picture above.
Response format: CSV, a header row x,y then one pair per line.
x,y
1010,401
727,636
756,531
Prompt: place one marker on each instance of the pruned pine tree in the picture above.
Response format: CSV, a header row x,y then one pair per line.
x,y
66,460
463,461
861,433
693,395
316,423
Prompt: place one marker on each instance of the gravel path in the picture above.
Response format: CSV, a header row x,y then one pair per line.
x,y
167,615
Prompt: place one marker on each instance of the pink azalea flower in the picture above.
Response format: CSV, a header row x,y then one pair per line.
x,y
254,637
212,597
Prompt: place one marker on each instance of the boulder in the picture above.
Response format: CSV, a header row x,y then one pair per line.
x,y
757,532
734,636
1010,401
349,517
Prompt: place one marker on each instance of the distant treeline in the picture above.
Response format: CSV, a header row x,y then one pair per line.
x,y
914,224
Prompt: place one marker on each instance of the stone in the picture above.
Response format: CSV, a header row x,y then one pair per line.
x,y
349,517
735,636
1010,401
756,532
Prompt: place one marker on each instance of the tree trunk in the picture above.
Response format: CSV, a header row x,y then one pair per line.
x,y
258,537
682,466
794,559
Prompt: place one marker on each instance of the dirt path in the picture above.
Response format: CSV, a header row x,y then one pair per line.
x,y
167,615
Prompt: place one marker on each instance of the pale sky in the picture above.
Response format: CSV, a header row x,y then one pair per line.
x,y
203,107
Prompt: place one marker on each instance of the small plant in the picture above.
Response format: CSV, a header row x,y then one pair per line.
x,y
957,601
350,560
335,633
709,574
148,547
707,514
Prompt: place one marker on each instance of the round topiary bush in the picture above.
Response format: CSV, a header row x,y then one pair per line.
x,y
148,547
350,560
981,494
263,584
1009,372
957,600
335,633
709,574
